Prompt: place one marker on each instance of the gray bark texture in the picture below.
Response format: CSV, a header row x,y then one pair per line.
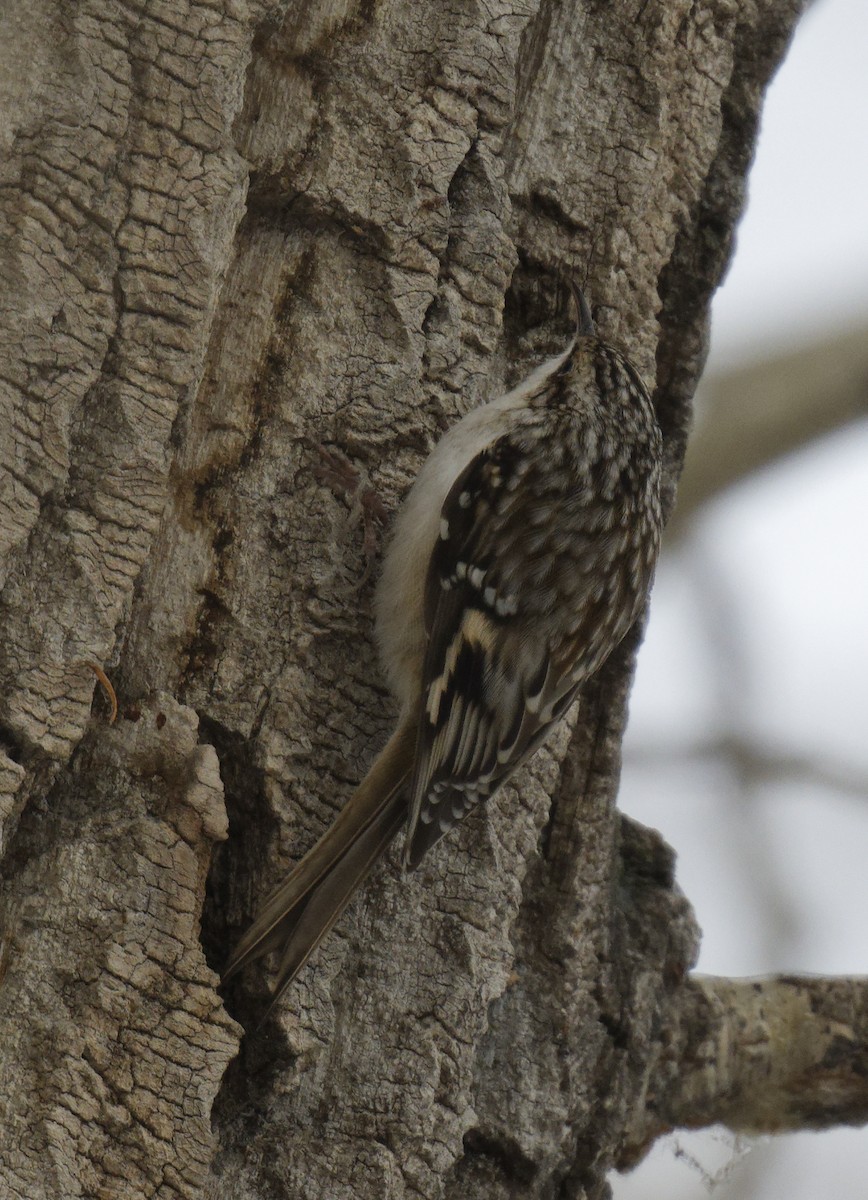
x,y
255,259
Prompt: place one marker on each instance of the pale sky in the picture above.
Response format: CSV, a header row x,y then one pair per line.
x,y
801,262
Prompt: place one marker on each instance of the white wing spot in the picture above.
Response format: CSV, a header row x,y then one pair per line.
x,y
464,500
444,529
476,575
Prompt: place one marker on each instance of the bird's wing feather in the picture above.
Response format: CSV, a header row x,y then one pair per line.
x,y
493,684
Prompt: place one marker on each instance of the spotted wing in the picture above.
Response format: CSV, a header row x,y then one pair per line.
x,y
493,685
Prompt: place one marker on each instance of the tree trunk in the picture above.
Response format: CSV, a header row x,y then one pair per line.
x,y
256,258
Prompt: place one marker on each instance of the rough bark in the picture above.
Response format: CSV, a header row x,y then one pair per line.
x,y
254,260
765,1055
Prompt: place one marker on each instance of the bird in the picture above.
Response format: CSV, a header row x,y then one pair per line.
x,y
520,558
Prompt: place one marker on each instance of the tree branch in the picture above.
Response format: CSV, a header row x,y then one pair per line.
x,y
765,1055
757,764
762,412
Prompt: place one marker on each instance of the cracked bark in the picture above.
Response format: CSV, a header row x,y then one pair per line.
x,y
240,240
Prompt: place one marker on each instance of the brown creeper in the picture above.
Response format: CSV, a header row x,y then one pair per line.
x,y
519,560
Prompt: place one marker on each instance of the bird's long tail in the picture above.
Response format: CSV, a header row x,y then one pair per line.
x,y
301,911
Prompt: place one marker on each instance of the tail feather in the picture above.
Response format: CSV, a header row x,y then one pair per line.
x,y
306,904
333,893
